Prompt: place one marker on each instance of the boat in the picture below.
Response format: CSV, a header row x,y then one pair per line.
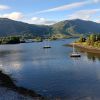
x,y
47,46
74,53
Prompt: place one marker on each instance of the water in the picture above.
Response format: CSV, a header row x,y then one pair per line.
x,y
51,72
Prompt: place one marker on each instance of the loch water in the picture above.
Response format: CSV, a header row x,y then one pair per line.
x,y
52,72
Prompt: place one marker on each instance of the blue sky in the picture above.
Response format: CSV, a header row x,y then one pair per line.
x,y
50,11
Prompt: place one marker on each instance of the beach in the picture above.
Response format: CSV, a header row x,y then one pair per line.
x,y
85,48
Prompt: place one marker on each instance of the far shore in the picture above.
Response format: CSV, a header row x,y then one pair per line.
x,y
85,48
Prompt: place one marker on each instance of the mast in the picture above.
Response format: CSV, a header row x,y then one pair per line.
x,y
47,42
73,48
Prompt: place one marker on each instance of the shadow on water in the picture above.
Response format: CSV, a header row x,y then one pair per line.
x,y
6,81
91,56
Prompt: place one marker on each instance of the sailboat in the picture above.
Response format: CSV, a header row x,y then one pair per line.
x,y
47,46
75,54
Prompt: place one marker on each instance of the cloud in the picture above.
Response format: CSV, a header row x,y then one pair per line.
x,y
96,1
84,14
64,7
21,17
13,15
40,21
4,7
98,19
69,6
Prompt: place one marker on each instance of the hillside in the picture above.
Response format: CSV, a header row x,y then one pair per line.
x,y
11,27
77,26
67,27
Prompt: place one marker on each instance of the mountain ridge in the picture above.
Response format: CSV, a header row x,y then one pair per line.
x,y
77,26
67,27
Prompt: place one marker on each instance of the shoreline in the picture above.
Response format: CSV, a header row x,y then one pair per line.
x,y
7,82
85,48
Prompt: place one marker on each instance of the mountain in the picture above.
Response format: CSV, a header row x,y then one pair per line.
x,y
77,26
67,27
11,27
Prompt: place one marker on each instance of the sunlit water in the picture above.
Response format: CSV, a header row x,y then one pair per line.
x,y
52,72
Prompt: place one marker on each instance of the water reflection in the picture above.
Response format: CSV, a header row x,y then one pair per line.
x,y
10,59
91,56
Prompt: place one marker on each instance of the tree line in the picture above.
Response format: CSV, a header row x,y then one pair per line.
x,y
10,40
91,40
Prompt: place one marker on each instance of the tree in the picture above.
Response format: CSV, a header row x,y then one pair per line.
x,y
13,40
98,37
82,39
91,39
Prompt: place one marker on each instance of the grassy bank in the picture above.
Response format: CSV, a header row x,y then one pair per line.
x,y
89,44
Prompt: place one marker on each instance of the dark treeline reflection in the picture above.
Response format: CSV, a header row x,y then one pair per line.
x,y
93,57
90,56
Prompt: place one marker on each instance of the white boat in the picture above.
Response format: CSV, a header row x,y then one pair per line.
x,y
47,46
75,54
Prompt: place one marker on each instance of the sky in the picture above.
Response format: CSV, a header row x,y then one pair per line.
x,y
48,12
